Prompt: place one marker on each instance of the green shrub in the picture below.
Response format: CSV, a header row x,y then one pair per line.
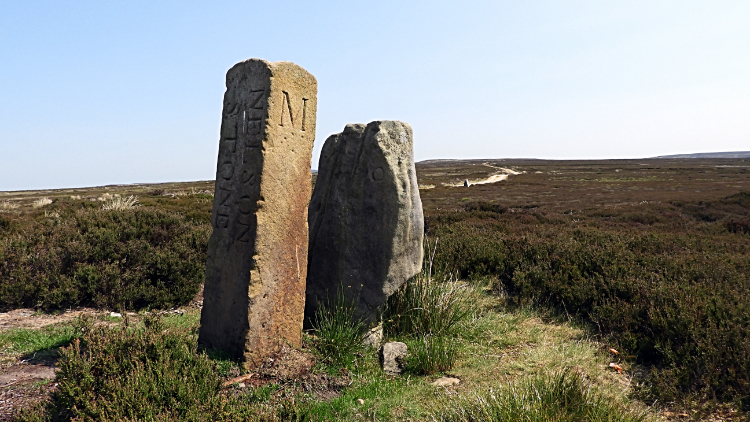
x,y
738,226
5,223
484,206
338,332
128,259
146,373
563,396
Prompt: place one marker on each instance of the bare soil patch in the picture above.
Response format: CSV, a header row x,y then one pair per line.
x,y
24,384
291,369
24,372
23,395
30,319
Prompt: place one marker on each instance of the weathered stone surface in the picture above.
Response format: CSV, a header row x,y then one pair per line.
x,y
373,337
366,221
257,254
392,356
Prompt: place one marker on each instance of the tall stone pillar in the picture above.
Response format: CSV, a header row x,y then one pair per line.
x,y
254,295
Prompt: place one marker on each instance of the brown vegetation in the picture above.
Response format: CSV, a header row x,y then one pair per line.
x,y
653,254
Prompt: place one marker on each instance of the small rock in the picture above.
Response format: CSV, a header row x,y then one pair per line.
x,y
241,385
373,337
466,183
360,401
115,315
238,380
392,357
446,381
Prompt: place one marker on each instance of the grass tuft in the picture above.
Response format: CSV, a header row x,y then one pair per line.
x,y
338,332
563,396
119,203
424,313
8,205
426,305
41,202
431,354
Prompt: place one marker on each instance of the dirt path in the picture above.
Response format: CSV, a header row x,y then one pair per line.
x,y
499,176
28,318
26,372
23,395
26,380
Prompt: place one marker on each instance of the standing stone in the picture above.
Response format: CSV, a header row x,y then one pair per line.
x,y
257,254
366,221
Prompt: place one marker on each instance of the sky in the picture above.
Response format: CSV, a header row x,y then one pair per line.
x,y
99,92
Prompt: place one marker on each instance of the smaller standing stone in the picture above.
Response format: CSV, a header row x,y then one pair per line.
x,y
392,356
365,217
466,183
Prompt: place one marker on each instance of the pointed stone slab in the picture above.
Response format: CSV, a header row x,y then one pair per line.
x,y
253,299
366,221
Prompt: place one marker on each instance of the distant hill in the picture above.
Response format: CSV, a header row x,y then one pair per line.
x,y
735,154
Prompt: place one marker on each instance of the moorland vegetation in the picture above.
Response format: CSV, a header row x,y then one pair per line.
x,y
651,257
664,275
77,252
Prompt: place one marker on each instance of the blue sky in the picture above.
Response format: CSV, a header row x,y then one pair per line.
x,y
99,92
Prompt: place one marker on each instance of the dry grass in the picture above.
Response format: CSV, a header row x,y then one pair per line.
x,y
41,202
7,206
119,203
501,346
25,198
